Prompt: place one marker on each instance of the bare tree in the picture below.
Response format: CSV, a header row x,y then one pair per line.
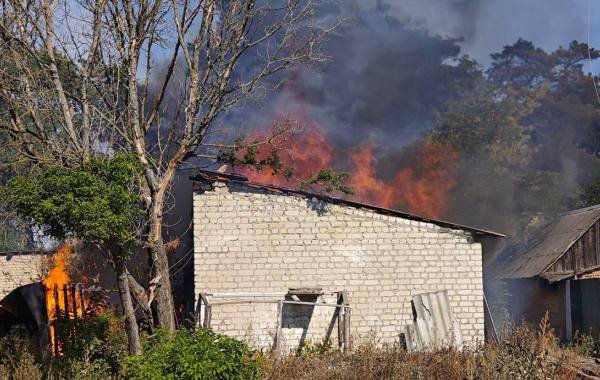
x,y
85,78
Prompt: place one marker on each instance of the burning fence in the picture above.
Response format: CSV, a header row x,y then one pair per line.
x,y
68,302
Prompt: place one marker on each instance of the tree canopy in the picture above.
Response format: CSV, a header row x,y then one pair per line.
x,y
98,201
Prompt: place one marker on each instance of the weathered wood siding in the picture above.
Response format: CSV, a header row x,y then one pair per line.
x,y
583,256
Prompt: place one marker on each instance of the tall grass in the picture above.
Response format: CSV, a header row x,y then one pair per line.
x,y
524,353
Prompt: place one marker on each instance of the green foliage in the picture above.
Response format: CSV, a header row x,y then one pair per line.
x,y
527,134
584,344
481,124
96,343
589,194
198,354
17,361
253,154
329,180
98,201
310,348
267,157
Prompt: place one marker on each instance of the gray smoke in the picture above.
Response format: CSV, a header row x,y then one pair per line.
x,y
487,25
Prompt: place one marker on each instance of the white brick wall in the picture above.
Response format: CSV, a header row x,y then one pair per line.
x,y
19,269
245,240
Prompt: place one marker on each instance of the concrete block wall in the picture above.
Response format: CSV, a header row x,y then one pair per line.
x,y
248,240
19,269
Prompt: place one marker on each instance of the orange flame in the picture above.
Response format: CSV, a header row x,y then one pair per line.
x,y
422,187
57,277
306,152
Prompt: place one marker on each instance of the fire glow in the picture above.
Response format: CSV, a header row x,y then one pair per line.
x,y
421,187
59,303
57,277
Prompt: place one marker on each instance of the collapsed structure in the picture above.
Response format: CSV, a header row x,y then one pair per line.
x,y
267,261
557,271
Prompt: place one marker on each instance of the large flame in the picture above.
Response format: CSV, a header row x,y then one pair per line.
x,y
306,151
420,186
58,277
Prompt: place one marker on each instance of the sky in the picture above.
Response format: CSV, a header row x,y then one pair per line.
x,y
385,74
487,25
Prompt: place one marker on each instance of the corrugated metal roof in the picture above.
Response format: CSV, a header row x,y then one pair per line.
x,y
549,243
212,176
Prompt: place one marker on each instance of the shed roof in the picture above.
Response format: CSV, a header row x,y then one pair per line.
x,y
213,176
549,243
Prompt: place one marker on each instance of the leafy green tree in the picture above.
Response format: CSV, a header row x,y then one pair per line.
x,y
528,134
151,78
98,202
589,193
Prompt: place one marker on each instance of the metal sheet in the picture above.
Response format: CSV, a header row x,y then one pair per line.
x,y
433,325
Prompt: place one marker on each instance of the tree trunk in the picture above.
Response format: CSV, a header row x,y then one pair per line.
x,y
141,300
131,325
165,307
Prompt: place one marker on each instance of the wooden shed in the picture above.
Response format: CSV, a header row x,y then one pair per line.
x,y
557,270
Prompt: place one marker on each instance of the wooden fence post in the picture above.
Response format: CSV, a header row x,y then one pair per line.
x,y
340,323
347,338
74,299
56,315
279,328
82,300
207,316
66,299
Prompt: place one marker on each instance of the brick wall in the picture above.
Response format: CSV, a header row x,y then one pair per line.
x,y
19,269
245,240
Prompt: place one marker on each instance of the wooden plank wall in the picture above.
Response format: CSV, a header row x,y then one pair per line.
x,y
584,254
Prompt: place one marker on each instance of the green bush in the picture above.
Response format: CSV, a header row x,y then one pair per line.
x,y
194,354
17,357
95,346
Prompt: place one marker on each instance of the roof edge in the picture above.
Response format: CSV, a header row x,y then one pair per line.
x,y
570,245
213,176
24,252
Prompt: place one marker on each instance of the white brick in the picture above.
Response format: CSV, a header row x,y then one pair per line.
x,y
268,242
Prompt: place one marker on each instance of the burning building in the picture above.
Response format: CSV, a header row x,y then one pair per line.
x,y
557,271
255,245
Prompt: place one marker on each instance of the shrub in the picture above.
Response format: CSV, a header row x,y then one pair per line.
x,y
17,358
523,354
95,346
194,354
584,344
